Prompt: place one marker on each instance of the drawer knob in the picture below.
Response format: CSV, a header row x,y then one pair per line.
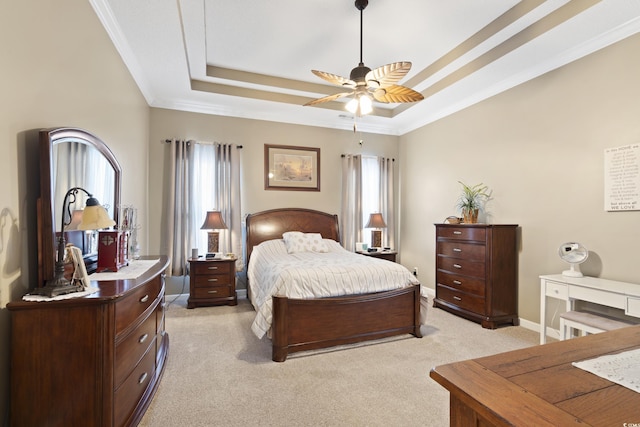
x,y
457,265
213,268
143,338
142,378
457,298
457,250
457,232
212,280
457,282
144,299
212,292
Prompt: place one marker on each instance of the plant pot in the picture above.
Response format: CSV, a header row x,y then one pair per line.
x,y
470,216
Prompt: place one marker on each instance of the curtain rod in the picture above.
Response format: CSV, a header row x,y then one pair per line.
x,y
345,155
167,141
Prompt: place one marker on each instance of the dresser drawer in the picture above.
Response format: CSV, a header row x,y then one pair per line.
x,y
129,393
466,284
215,292
131,349
461,250
132,306
557,290
461,266
211,267
465,301
462,233
633,307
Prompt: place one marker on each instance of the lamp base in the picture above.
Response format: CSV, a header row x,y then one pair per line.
x,y
213,242
376,238
56,287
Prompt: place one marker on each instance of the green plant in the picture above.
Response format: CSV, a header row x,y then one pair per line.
x,y
473,197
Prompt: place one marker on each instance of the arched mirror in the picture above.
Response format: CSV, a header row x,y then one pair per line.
x,y
71,157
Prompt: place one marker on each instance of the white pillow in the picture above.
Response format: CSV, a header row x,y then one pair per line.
x,y
297,241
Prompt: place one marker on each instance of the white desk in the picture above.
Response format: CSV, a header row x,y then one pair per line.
x,y
625,296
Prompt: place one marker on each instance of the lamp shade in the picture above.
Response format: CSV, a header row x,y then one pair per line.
x,y
213,221
94,216
376,221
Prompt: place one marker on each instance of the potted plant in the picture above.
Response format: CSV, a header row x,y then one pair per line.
x,y
472,200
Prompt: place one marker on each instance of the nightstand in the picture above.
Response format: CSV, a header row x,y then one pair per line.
x,y
388,255
212,282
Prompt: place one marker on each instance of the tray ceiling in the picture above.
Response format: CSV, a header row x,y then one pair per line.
x,y
253,59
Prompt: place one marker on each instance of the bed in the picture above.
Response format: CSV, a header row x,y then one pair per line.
x,y
301,324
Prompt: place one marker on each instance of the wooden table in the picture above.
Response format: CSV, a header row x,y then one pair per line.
x,y
538,386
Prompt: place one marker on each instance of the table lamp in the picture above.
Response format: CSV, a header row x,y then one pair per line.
x,y
94,217
376,222
213,222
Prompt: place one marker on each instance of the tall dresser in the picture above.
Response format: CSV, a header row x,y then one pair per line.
x,y
92,361
477,272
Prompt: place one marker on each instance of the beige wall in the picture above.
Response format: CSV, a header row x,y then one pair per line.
x,y
64,71
252,135
540,148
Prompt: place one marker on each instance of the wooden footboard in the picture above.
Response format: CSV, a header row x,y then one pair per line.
x,y
300,325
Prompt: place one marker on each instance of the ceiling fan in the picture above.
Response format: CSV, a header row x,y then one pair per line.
x,y
366,85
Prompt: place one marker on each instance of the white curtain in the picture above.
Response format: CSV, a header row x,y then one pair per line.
x,y
351,211
179,222
217,182
367,187
205,177
387,205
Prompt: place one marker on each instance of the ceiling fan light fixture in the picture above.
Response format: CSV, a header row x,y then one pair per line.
x,y
368,85
360,105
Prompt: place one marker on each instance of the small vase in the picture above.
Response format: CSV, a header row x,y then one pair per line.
x,y
470,216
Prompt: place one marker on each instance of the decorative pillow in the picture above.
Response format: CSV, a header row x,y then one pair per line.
x,y
297,241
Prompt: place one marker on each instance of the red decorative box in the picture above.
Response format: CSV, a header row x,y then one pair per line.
x,y
112,250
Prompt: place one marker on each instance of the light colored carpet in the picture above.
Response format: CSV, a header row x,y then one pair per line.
x,y
219,374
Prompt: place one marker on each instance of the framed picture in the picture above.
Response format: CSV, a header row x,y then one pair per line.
x,y
291,168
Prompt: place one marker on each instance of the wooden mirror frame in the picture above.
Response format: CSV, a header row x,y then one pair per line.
x,y
47,238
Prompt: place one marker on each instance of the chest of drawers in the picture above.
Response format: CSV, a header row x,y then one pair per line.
x,y
212,282
91,361
476,272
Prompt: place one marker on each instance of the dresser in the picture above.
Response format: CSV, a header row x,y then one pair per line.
x,y
477,272
92,361
212,282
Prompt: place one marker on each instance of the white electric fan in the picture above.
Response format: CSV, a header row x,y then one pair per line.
x,y
573,253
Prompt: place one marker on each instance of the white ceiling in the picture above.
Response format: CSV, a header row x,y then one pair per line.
x,y
253,59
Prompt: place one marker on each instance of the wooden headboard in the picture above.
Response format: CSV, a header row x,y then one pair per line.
x,y
269,225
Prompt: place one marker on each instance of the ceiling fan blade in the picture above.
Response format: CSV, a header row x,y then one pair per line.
x,y
397,93
387,74
335,79
328,98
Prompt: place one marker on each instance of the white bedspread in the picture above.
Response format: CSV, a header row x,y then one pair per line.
x,y
272,271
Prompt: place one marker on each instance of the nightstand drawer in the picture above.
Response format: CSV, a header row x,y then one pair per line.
x,y
461,250
462,283
461,233
461,266
212,267
465,301
214,292
212,280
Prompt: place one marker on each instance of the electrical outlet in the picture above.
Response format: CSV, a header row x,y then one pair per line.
x,y
415,271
